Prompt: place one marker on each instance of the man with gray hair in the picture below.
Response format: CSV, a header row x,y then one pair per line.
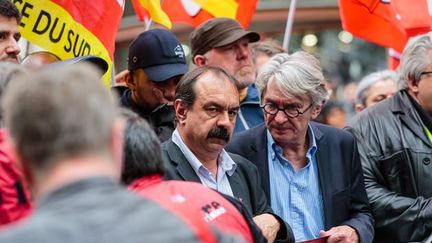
x,y
395,145
310,172
262,51
375,87
65,133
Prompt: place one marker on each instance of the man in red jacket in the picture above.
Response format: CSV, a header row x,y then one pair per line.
x,y
14,198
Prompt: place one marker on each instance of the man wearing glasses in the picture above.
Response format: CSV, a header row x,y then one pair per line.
x,y
395,144
310,172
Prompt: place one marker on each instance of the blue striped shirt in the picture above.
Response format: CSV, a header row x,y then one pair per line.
x,y
296,196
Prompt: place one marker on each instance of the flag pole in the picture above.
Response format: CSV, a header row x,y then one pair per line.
x,y
148,23
289,24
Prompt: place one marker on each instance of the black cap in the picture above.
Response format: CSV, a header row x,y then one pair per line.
x,y
97,61
159,53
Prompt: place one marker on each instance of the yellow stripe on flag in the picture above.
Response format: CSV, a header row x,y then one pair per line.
x,y
51,27
154,8
219,8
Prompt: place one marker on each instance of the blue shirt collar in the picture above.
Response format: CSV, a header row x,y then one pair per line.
x,y
311,151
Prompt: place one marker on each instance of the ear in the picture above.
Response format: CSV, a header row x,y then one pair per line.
x,y
200,60
413,85
27,173
180,110
116,145
359,107
316,109
130,81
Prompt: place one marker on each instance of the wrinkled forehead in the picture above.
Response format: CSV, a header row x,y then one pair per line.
x,y
216,87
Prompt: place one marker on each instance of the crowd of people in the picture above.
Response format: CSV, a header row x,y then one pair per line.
x,y
230,150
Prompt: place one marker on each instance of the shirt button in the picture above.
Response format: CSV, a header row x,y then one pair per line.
x,y
426,161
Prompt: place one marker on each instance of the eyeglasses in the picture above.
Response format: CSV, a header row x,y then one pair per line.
x,y
290,112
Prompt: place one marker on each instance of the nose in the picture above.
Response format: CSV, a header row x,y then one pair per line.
x,y
224,120
243,52
13,47
280,117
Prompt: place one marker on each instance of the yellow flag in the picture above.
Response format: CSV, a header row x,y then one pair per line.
x,y
153,7
219,8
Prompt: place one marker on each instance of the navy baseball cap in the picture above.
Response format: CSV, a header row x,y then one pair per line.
x,y
159,53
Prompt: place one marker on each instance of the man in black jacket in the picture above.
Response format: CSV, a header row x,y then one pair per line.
x,y
394,139
156,63
310,172
206,105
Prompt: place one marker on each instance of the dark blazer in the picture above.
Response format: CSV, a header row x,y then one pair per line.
x,y
245,182
340,174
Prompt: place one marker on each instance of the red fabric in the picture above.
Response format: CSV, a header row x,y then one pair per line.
x,y
193,201
393,59
176,12
386,23
101,17
11,209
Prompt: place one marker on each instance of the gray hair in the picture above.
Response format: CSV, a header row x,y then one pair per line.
x,y
415,58
59,114
370,80
267,47
297,75
8,71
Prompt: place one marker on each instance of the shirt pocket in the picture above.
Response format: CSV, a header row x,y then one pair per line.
x,y
397,173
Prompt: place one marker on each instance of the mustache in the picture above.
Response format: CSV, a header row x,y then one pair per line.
x,y
219,132
13,57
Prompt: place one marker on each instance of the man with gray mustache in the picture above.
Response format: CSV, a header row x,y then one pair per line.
x,y
206,105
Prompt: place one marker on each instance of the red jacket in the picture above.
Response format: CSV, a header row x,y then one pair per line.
x,y
191,201
14,198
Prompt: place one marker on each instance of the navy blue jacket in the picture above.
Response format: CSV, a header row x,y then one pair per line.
x,y
340,174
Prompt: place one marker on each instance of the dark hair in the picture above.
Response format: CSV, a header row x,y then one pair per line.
x,y
9,10
142,152
328,107
185,90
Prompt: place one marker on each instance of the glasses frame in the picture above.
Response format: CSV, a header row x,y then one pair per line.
x,y
280,109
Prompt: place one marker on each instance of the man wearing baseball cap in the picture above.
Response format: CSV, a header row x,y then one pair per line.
x,y
156,63
224,43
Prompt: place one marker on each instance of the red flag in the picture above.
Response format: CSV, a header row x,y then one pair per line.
x,y
388,23
72,28
189,11
393,59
